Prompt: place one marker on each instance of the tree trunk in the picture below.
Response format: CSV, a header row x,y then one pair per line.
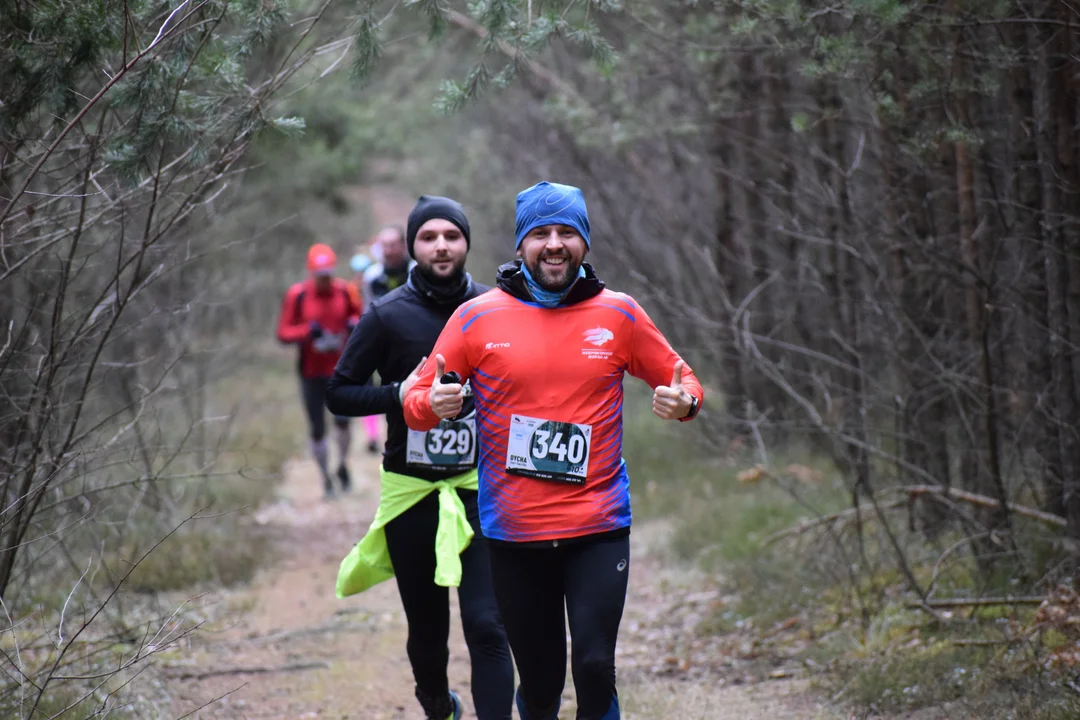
x,y
984,460
1061,401
730,254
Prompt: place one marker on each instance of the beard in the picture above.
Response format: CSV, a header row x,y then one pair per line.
x,y
436,277
558,278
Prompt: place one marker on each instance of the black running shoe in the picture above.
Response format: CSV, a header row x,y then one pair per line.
x,y
343,478
446,707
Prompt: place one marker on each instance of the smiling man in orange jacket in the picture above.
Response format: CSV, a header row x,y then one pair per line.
x,y
546,352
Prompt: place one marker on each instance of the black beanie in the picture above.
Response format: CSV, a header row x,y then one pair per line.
x,y
429,207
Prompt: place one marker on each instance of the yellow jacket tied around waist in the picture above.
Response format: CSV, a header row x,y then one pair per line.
x,y
368,563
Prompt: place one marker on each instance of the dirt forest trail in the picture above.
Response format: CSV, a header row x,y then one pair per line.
x,y
285,647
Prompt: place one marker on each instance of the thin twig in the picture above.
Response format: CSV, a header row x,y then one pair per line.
x,y
63,611
253,670
987,643
980,602
165,25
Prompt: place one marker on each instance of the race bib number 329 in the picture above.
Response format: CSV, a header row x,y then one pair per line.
x,y
548,449
449,445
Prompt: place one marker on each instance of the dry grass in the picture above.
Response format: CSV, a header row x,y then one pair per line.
x,y
220,472
795,603
221,546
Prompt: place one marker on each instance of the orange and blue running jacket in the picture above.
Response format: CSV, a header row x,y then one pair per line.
x,y
548,387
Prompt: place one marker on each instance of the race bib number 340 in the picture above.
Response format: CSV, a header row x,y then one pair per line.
x,y
451,445
548,449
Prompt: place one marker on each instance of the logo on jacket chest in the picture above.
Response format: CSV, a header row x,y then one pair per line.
x,y
598,337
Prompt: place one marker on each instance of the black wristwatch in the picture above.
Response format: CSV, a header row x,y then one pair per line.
x,y
693,408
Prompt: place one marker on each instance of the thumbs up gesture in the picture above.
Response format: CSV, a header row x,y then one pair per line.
x,y
672,402
446,398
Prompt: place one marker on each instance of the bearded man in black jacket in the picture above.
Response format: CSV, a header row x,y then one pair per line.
x,y
394,337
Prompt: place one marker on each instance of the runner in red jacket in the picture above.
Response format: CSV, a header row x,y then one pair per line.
x,y
318,315
545,354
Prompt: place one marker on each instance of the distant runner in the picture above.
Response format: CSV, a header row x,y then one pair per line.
x,y
546,353
391,271
318,314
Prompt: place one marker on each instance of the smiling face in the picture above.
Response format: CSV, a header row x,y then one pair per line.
x,y
440,249
553,254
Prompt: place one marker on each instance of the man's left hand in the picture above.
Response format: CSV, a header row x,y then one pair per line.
x,y
672,402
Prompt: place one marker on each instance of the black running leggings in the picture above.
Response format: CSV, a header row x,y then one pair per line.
x,y
531,585
411,540
314,393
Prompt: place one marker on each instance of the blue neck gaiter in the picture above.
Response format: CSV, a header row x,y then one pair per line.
x,y
547,298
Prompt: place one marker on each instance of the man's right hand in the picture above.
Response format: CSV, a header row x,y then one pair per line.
x,y
446,400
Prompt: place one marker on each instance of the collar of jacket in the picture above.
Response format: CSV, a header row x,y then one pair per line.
x,y
453,293
511,280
